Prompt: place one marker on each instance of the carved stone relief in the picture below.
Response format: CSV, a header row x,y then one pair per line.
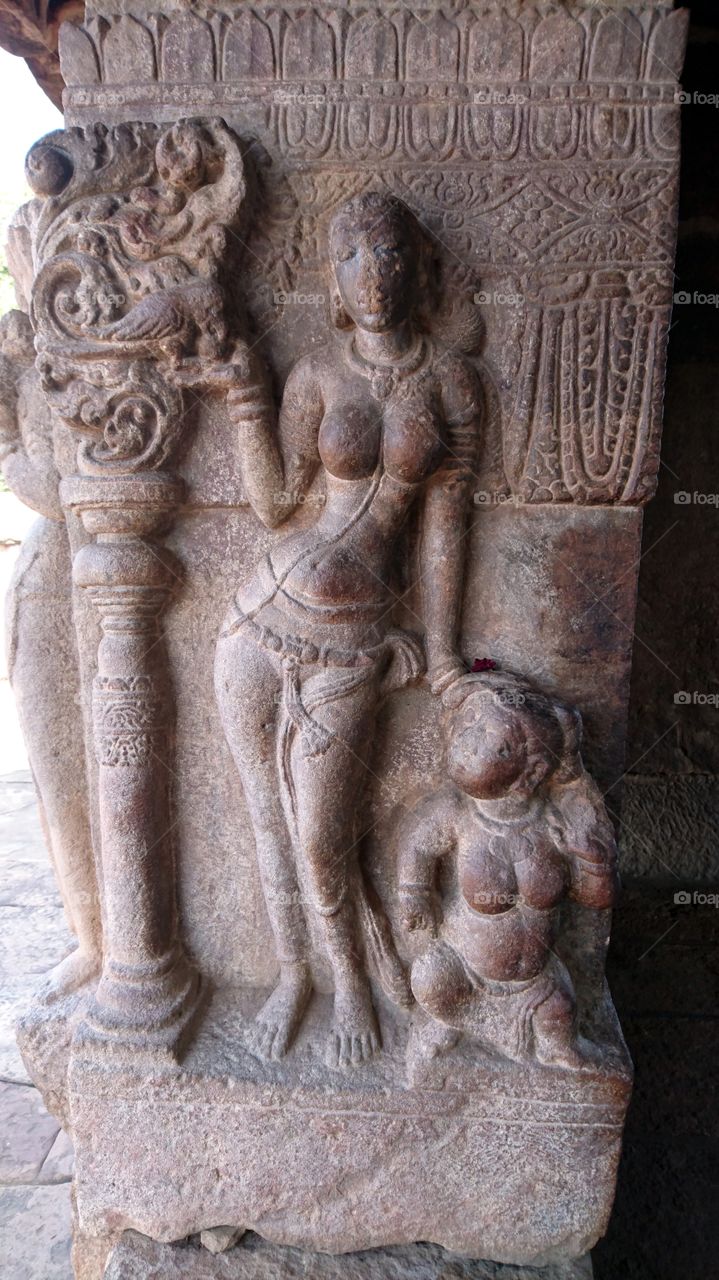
x,y
538,143
355,876
42,658
131,319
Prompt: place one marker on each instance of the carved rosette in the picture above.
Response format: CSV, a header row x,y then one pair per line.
x,y
128,308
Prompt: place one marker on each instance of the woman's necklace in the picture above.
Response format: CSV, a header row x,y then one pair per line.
x,y
386,379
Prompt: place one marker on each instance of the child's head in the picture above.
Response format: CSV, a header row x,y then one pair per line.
x,y
503,741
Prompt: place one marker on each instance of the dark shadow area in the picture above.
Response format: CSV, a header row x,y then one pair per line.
x,y
664,958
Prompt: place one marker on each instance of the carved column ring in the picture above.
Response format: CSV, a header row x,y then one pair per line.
x,y
125,564
135,505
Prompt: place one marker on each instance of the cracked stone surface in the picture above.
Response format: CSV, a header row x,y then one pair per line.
x,y
35,1233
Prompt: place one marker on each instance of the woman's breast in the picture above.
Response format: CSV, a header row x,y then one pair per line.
x,y
349,441
504,918
404,435
541,876
487,881
413,444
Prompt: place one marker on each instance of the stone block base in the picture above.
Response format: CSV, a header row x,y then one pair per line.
x,y
485,1157
138,1258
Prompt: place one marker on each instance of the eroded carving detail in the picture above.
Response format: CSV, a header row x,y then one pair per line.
x,y
42,657
532,140
519,828
127,717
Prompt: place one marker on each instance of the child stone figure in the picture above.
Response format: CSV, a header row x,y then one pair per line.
x,y
484,864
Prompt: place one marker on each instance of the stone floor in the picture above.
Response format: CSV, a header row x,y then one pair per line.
x,y
35,1155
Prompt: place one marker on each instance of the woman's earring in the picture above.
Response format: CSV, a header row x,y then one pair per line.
x,y
338,313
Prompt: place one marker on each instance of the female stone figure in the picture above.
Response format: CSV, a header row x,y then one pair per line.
x,y
42,657
484,864
307,651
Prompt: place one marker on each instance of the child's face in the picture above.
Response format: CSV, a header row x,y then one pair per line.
x,y
487,750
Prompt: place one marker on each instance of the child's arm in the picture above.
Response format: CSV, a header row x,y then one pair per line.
x,y
589,843
428,835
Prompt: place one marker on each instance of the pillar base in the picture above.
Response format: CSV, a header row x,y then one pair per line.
x,y
149,1015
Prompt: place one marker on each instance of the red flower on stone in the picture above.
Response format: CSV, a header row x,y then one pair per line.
x,y
484,664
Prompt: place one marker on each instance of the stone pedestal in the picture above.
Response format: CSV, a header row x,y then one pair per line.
x,y
303,1156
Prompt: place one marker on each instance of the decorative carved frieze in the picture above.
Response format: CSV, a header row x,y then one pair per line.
x,y
537,142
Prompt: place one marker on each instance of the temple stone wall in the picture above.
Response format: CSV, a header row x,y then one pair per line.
x,y
671,794
351,326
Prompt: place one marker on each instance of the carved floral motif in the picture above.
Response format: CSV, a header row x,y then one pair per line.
x,y
127,714
134,232
531,139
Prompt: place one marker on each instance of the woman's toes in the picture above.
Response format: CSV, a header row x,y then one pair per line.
x,y
346,1050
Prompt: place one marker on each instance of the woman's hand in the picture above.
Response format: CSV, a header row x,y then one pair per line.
x,y
418,910
443,674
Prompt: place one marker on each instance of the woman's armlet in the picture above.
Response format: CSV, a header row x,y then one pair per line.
x,y
300,418
277,462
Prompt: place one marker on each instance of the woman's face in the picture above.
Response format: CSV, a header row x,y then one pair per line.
x,y
375,269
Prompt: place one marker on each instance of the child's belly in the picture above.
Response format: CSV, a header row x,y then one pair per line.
x,y
510,946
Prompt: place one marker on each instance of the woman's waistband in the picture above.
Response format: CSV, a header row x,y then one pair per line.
x,y
303,648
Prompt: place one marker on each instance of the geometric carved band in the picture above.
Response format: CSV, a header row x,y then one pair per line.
x,y
125,719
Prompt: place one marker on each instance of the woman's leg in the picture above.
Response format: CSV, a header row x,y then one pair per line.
x,y
328,788
247,686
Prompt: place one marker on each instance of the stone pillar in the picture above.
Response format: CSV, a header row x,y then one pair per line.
x,y
147,993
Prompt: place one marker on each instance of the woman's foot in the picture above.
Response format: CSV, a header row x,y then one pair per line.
x,y
278,1021
555,1038
355,1036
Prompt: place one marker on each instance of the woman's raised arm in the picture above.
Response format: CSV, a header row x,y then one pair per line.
x,y
444,529
276,470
